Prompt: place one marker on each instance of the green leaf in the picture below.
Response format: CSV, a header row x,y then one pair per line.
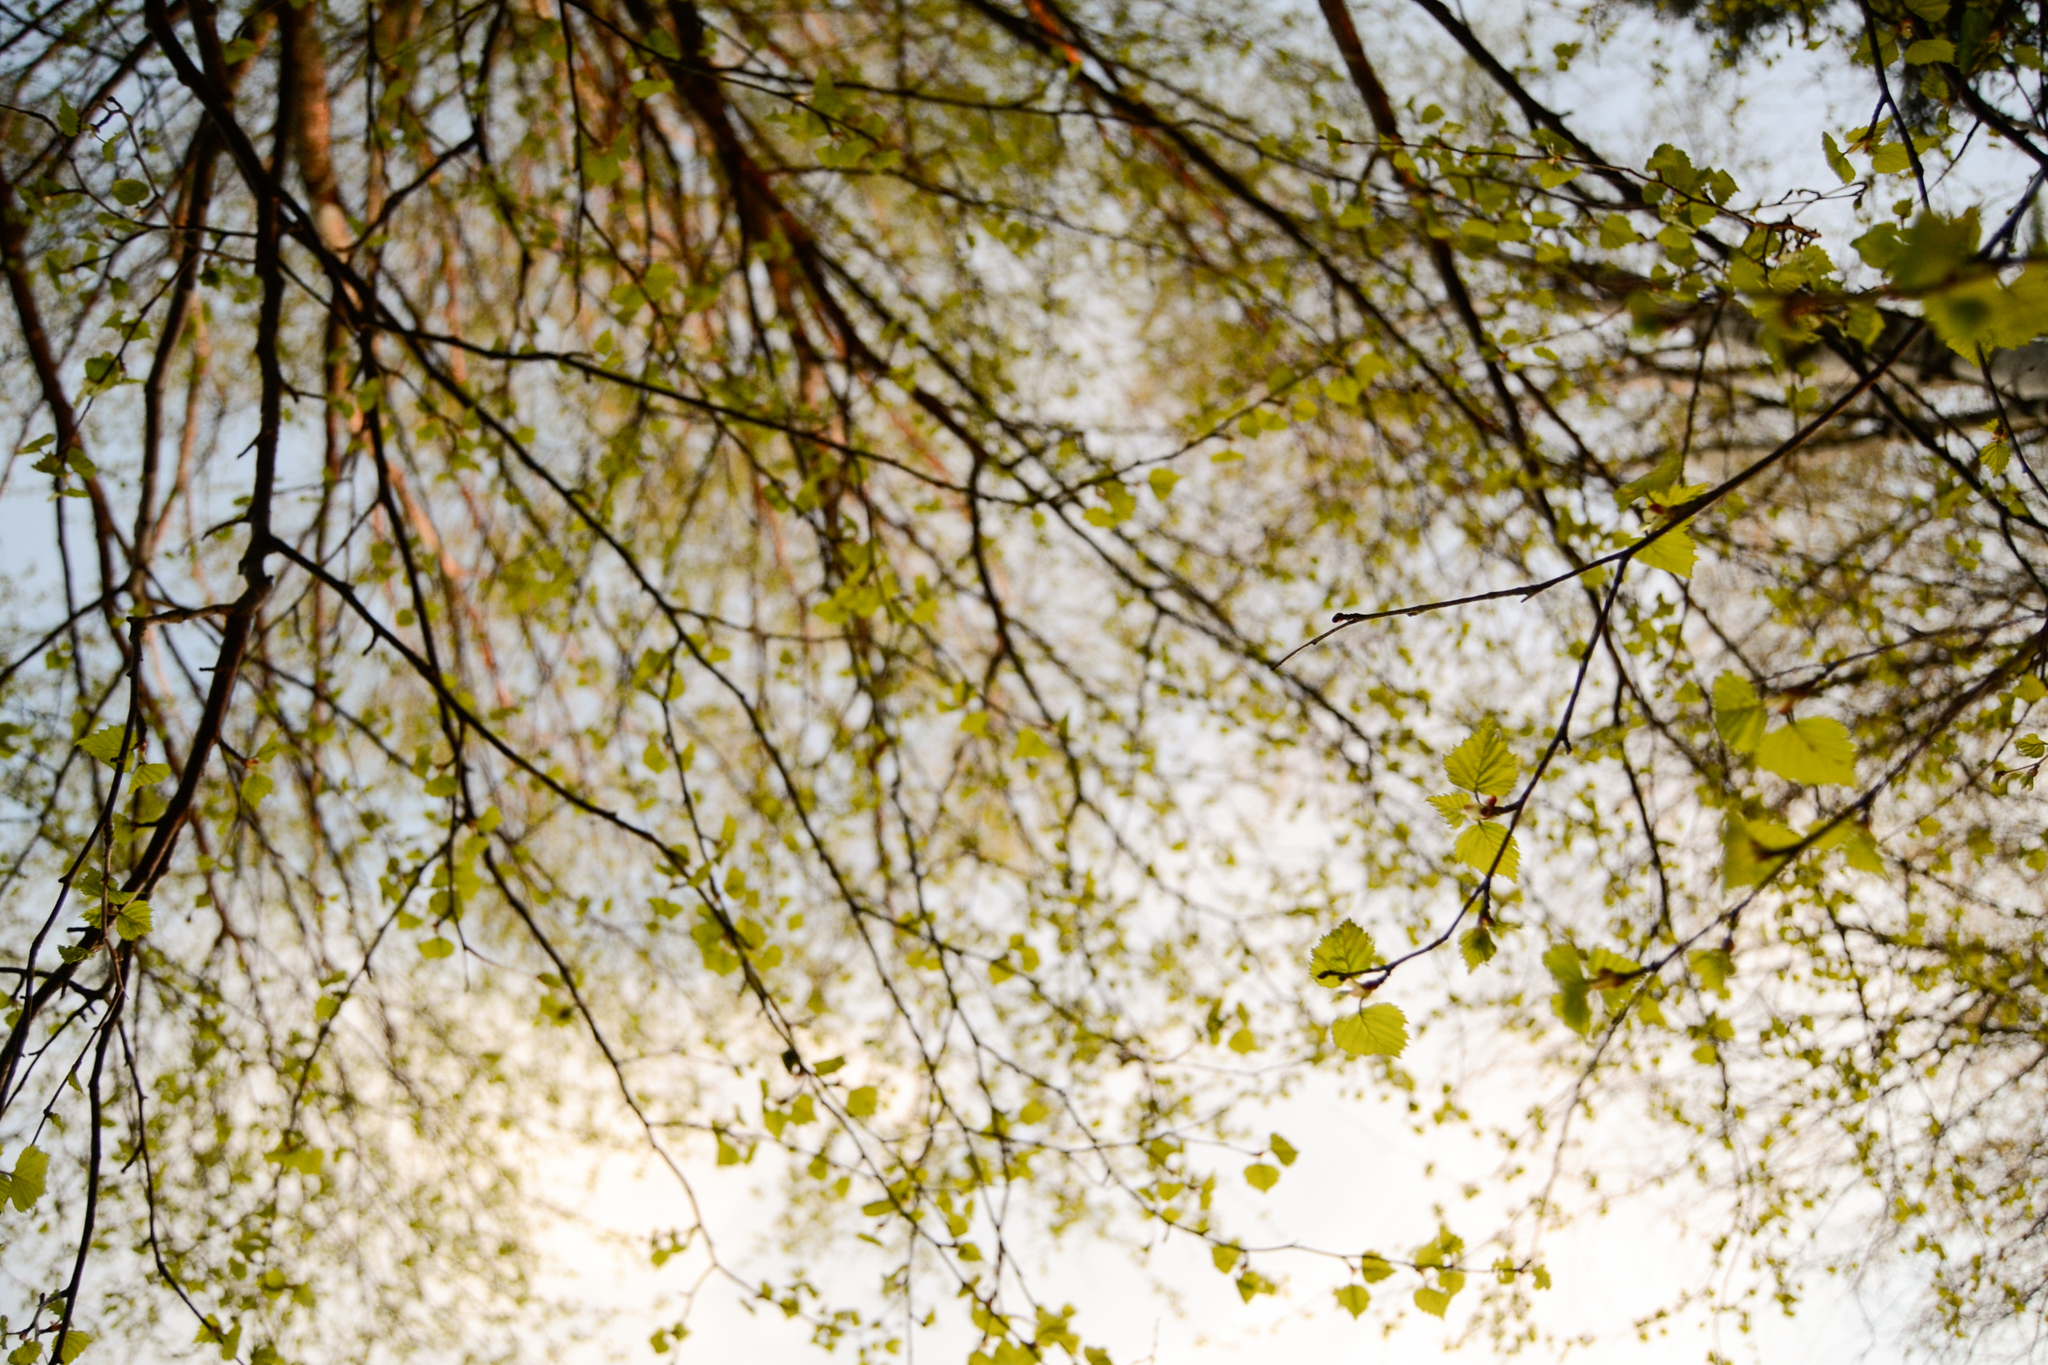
x,y
1928,51
1486,848
1837,162
1345,952
1738,715
1609,969
306,1161
1860,847
129,193
73,1346
1354,1299
1483,763
1375,1031
1162,481
1933,248
1662,475
1476,946
1713,966
436,948
1372,1267
1570,1005
1570,1002
1673,552
255,787
1432,1301
1752,850
149,774
1262,1177
105,745
133,921
30,1175
1816,751
1617,231
1984,311
67,117
861,1101
1225,1257
1283,1150
1452,806
1031,745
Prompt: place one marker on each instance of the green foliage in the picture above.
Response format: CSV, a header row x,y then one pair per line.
x,y
780,535
1490,850
1738,715
1375,1031
1483,764
23,1186
1815,751
1343,954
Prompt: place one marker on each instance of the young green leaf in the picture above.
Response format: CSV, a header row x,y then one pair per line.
x,y
1354,1298
133,921
1662,475
1262,1177
104,745
1375,1031
1486,848
1752,850
1815,751
1452,806
1837,162
1674,552
25,1184
1483,763
1738,715
1345,952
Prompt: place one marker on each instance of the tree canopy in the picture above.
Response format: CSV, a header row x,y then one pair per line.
x,y
945,599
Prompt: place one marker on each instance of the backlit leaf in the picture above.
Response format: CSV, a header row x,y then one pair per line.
x,y
1345,952
26,1183
1483,763
1752,850
1673,552
1738,715
1816,751
1486,848
104,745
1375,1031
